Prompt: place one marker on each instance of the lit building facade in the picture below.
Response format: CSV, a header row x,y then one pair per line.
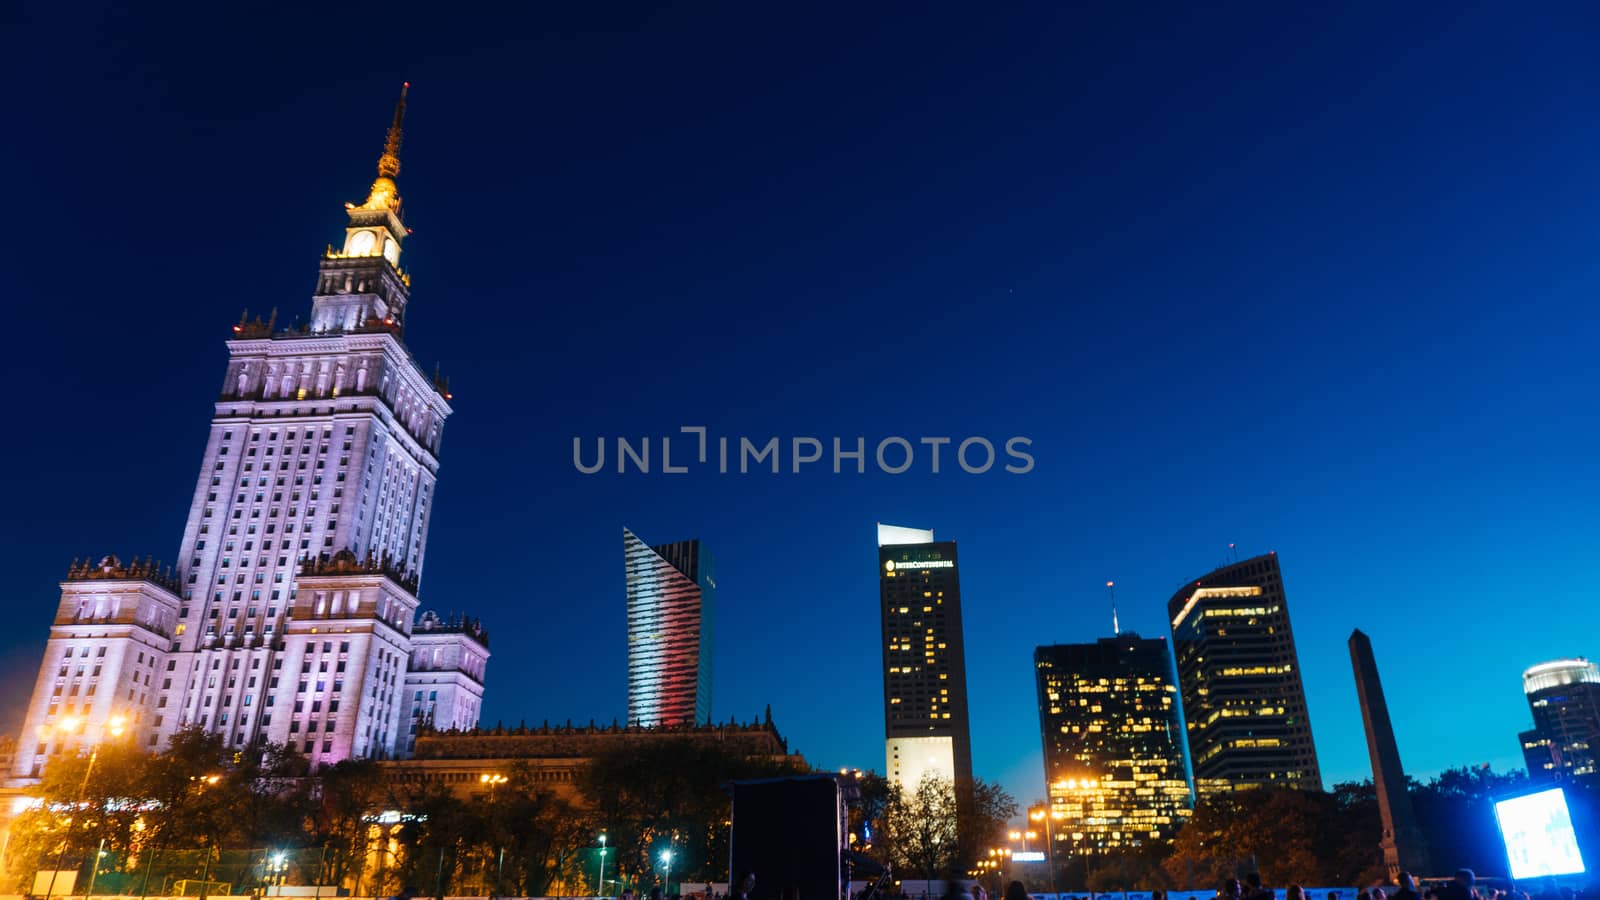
x,y
444,681
288,616
924,662
671,593
1564,696
1239,676
1115,755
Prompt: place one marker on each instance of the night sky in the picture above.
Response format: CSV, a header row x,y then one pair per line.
x,y
1323,284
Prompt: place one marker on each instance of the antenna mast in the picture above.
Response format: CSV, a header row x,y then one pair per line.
x,y
1116,627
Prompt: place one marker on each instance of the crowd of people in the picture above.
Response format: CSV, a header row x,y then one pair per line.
x,y
1464,886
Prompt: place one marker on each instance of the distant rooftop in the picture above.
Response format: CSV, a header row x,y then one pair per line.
x,y
431,622
890,535
1559,673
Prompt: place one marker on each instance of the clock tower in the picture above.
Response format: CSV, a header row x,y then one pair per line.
x,y
361,284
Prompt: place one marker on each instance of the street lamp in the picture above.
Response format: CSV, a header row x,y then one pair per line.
x,y
600,883
279,865
666,860
1045,814
114,726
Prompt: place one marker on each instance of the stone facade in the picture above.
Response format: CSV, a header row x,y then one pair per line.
x,y
289,615
558,755
444,682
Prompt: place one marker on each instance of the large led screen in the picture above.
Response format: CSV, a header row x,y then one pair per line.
x,y
1539,836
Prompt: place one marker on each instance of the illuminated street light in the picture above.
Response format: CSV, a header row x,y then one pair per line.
x,y
115,725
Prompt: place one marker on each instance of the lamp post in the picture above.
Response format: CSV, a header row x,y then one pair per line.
x,y
491,782
666,859
94,873
114,726
1045,814
600,882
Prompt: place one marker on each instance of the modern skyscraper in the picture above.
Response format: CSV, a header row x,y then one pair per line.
x,y
1239,676
1564,695
1116,761
671,592
924,664
1402,841
289,615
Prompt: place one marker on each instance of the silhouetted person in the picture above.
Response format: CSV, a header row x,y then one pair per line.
x,y
1254,890
1408,888
1461,887
1294,892
1231,890
1015,891
746,884
790,892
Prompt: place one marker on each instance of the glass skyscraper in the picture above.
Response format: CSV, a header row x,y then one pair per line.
x,y
1115,757
670,590
1243,699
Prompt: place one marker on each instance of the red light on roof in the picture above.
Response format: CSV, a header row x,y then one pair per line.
x,y
238,328
449,396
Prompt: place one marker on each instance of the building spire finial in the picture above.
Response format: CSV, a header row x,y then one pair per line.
x,y
384,195
389,162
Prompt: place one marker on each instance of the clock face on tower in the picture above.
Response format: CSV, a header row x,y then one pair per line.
x,y
361,243
391,251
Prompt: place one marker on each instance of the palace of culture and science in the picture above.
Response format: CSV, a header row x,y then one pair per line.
x,y
291,615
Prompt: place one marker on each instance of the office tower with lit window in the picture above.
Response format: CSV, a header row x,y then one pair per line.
x,y
671,591
1116,760
1243,700
1564,696
924,664
288,616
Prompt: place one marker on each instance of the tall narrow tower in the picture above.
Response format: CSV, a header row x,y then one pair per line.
x,y
290,612
924,662
671,589
1403,847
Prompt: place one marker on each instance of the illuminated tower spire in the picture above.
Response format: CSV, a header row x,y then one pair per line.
x,y
384,195
361,284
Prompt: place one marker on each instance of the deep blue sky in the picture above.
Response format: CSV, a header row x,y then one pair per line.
x,y
1323,283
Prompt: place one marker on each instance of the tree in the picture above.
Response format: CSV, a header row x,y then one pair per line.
x,y
920,828
1455,812
435,845
347,792
670,795
1287,835
983,810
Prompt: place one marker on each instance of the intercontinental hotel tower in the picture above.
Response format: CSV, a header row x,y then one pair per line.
x,y
289,615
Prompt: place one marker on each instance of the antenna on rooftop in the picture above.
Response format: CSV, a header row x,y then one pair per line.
x,y
1116,626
